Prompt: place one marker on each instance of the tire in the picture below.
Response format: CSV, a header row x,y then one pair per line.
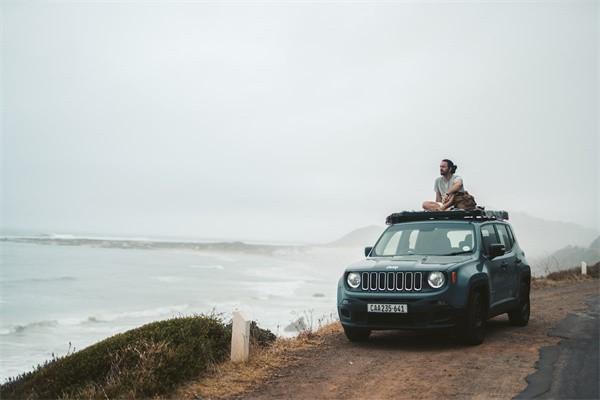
x,y
473,330
357,334
520,315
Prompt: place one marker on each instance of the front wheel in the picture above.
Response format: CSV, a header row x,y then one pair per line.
x,y
520,315
473,330
357,334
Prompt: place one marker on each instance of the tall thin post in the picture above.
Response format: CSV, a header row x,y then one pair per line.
x,y
240,338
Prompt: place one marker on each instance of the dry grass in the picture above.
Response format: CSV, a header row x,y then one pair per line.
x,y
230,379
566,276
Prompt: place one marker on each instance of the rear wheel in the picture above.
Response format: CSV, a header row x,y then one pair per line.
x,y
473,331
357,334
520,315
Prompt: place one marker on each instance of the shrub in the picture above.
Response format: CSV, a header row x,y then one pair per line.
x,y
147,361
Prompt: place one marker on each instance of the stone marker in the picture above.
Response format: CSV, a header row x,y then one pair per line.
x,y
583,268
240,338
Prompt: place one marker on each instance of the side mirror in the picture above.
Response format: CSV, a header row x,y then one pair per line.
x,y
368,251
495,250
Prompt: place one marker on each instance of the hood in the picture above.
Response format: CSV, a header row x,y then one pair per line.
x,y
407,263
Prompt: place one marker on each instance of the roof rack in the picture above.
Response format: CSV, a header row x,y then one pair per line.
x,y
473,215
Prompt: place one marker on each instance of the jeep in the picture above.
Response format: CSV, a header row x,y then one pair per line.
x,y
437,269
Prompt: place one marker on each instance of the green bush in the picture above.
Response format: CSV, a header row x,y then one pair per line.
x,y
143,362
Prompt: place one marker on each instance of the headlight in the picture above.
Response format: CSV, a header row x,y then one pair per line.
x,y
436,279
353,280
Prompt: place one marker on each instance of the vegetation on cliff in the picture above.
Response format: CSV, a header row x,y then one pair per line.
x,y
144,362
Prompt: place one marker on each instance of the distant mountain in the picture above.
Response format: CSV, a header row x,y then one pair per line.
x,y
567,257
366,236
539,237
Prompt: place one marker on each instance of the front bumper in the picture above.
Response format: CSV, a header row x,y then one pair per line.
x,y
426,311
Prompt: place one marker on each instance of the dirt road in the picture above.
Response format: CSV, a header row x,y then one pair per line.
x,y
415,365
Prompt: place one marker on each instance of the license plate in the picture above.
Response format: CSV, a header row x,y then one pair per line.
x,y
388,308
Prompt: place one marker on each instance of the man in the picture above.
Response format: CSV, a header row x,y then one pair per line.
x,y
445,187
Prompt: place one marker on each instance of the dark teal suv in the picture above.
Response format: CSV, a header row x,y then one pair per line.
x,y
428,270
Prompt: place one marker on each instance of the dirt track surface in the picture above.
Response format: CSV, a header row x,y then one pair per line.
x,y
415,365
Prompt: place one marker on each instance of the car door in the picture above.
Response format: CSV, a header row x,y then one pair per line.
x,y
496,267
510,260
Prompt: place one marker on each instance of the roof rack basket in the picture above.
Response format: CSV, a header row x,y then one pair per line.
x,y
473,215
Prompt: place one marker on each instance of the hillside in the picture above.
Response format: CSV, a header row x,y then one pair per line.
x,y
144,362
365,236
567,257
540,237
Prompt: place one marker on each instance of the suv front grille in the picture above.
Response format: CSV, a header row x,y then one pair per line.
x,y
391,281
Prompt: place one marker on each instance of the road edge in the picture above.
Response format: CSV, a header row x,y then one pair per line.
x,y
540,382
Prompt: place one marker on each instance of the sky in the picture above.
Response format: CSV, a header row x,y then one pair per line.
x,y
292,121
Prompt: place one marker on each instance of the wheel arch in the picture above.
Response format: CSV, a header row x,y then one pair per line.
x,y
525,275
480,283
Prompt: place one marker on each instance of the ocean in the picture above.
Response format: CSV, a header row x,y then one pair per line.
x,y
62,296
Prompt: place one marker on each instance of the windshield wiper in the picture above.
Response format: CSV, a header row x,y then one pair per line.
x,y
457,253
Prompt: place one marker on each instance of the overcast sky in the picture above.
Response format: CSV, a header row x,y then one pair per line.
x,y
292,121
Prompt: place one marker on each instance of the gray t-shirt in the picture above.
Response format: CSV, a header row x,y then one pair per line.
x,y
442,185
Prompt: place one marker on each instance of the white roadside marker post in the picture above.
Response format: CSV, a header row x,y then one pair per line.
x,y
583,268
240,338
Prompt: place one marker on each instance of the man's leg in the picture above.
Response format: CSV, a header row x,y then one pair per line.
x,y
432,206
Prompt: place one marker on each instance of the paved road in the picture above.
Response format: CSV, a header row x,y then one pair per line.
x,y
570,369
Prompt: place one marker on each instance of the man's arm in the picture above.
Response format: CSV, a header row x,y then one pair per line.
x,y
438,197
455,187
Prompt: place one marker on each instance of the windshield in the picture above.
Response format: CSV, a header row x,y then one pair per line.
x,y
424,238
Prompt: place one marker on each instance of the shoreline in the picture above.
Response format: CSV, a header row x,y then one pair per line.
x,y
227,246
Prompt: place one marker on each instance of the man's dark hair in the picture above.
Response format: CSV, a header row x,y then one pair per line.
x,y
451,165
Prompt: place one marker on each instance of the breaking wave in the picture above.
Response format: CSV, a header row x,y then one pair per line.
x,y
40,280
207,267
167,278
16,329
100,318
152,312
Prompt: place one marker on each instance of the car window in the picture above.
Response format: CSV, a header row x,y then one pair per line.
x,y
511,234
425,238
391,247
461,240
412,239
504,237
488,237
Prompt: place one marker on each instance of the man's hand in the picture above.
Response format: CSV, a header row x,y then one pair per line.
x,y
447,201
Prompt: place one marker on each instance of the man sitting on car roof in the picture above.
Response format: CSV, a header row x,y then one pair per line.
x,y
448,189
